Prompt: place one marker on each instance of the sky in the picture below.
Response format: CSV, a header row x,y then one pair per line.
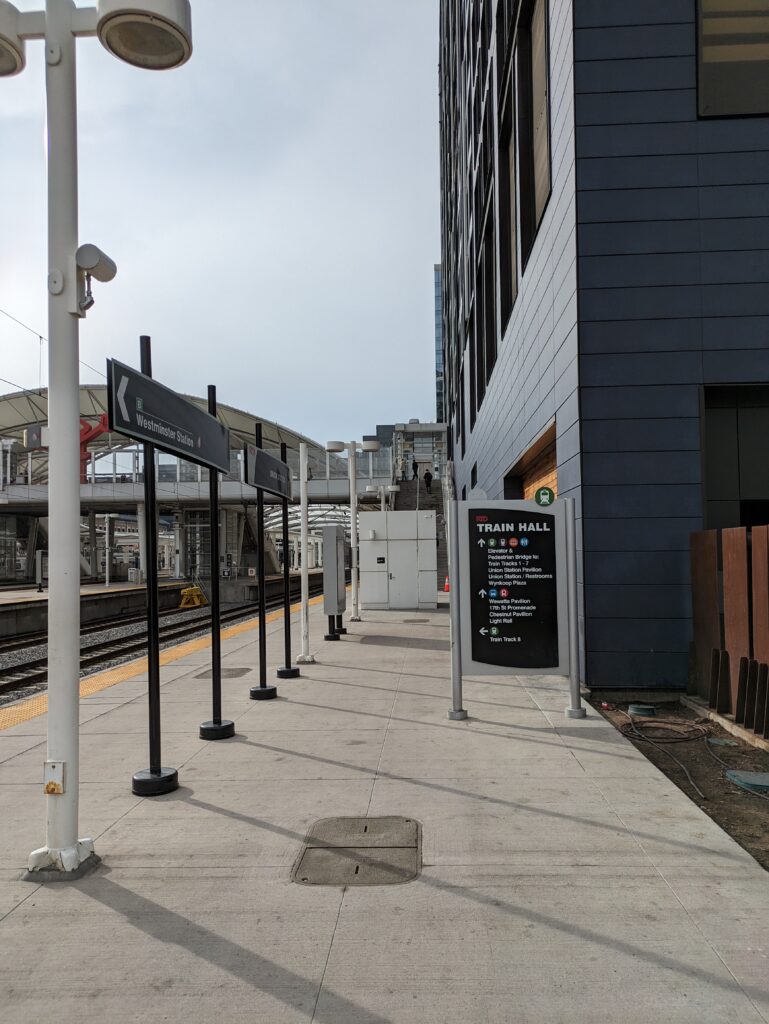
x,y
272,207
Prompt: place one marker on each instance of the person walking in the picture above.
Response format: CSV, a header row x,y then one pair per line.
x,y
428,479
402,468
415,468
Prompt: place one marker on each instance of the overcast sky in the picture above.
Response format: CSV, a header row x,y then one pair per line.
x,y
272,206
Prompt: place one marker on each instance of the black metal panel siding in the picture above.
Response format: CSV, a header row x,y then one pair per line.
x,y
673,272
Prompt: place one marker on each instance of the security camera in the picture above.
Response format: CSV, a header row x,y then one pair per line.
x,y
93,261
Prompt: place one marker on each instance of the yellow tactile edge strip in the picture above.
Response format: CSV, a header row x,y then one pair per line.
x,y
17,714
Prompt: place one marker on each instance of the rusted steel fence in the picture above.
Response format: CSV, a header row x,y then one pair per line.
x,y
730,611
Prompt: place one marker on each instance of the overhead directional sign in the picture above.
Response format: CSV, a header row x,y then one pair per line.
x,y
141,408
267,472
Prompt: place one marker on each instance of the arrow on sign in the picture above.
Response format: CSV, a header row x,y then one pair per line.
x,y
121,397
481,543
482,593
483,631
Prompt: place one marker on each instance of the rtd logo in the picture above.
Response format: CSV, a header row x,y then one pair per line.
x,y
481,519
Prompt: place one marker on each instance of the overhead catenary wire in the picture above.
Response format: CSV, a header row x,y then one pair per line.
x,y
41,338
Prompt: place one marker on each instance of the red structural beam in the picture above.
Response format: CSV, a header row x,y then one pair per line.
x,y
88,431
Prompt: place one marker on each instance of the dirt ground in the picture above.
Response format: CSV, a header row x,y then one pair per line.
x,y
744,816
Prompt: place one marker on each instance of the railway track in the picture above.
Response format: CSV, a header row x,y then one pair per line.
x,y
117,649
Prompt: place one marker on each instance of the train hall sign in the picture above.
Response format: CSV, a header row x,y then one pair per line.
x,y
513,570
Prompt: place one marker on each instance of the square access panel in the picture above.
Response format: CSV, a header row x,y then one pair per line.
x,y
360,851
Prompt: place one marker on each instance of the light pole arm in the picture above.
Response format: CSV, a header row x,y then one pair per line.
x,y
31,24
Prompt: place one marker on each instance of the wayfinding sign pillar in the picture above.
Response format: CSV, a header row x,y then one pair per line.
x,y
287,670
334,589
265,473
141,408
514,592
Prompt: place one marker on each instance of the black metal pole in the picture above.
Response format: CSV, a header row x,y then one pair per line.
x,y
340,628
288,671
262,691
217,728
332,633
154,780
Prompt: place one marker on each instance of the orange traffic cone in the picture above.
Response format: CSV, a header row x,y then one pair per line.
x,y
446,587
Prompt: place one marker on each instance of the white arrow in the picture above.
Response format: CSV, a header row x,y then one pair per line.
x,y
482,543
483,631
482,593
121,397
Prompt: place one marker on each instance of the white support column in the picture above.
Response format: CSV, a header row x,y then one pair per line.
x,y
352,469
64,850
94,559
305,657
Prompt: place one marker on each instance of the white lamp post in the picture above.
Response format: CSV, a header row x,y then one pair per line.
x,y
352,448
150,34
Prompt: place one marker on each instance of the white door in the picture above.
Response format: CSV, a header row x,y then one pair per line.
x,y
402,573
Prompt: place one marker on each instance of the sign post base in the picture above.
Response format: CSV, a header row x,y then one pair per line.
x,y
458,716
288,672
149,783
575,713
217,730
263,692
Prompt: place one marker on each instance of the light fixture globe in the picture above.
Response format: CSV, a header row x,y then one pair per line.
x,y
335,446
12,53
370,446
156,35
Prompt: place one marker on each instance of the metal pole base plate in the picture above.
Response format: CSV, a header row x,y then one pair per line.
x,y
217,730
149,783
263,692
289,672
342,631
355,618
575,713
458,716
305,659
331,636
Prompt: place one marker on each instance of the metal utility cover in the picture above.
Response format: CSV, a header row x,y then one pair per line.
x,y
360,851
228,672
363,832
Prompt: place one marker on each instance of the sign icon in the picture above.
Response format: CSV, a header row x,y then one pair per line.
x,y
513,542
502,542
494,630
493,592
544,496
492,542
524,542
504,592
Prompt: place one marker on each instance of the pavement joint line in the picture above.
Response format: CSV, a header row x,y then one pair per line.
x,y
33,707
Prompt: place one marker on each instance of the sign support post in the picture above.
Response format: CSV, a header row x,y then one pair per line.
x,y
262,691
575,709
155,780
288,671
218,728
457,712
305,658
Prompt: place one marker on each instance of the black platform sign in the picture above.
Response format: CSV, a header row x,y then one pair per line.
x,y
141,408
267,472
513,591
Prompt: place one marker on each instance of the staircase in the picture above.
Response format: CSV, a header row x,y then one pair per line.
x,y
406,501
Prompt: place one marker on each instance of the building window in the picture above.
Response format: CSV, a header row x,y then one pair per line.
x,y
508,228
733,57
533,121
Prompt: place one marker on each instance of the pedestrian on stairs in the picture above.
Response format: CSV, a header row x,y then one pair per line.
x,y
415,468
428,479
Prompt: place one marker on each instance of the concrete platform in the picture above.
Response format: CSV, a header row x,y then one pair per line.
x,y
564,878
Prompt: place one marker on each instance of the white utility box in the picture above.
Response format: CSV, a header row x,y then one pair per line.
x,y
398,560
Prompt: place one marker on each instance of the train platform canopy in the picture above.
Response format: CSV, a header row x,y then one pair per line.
x,y
22,413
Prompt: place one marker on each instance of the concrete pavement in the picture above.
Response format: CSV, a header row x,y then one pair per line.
x,y
564,878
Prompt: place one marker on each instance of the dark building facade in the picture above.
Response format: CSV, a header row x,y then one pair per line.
x,y
605,255
440,414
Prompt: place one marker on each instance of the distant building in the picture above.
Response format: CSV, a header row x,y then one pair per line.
x,y
440,412
605,288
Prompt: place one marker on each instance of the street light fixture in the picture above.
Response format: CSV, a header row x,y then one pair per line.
x,y
383,490
352,449
150,34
